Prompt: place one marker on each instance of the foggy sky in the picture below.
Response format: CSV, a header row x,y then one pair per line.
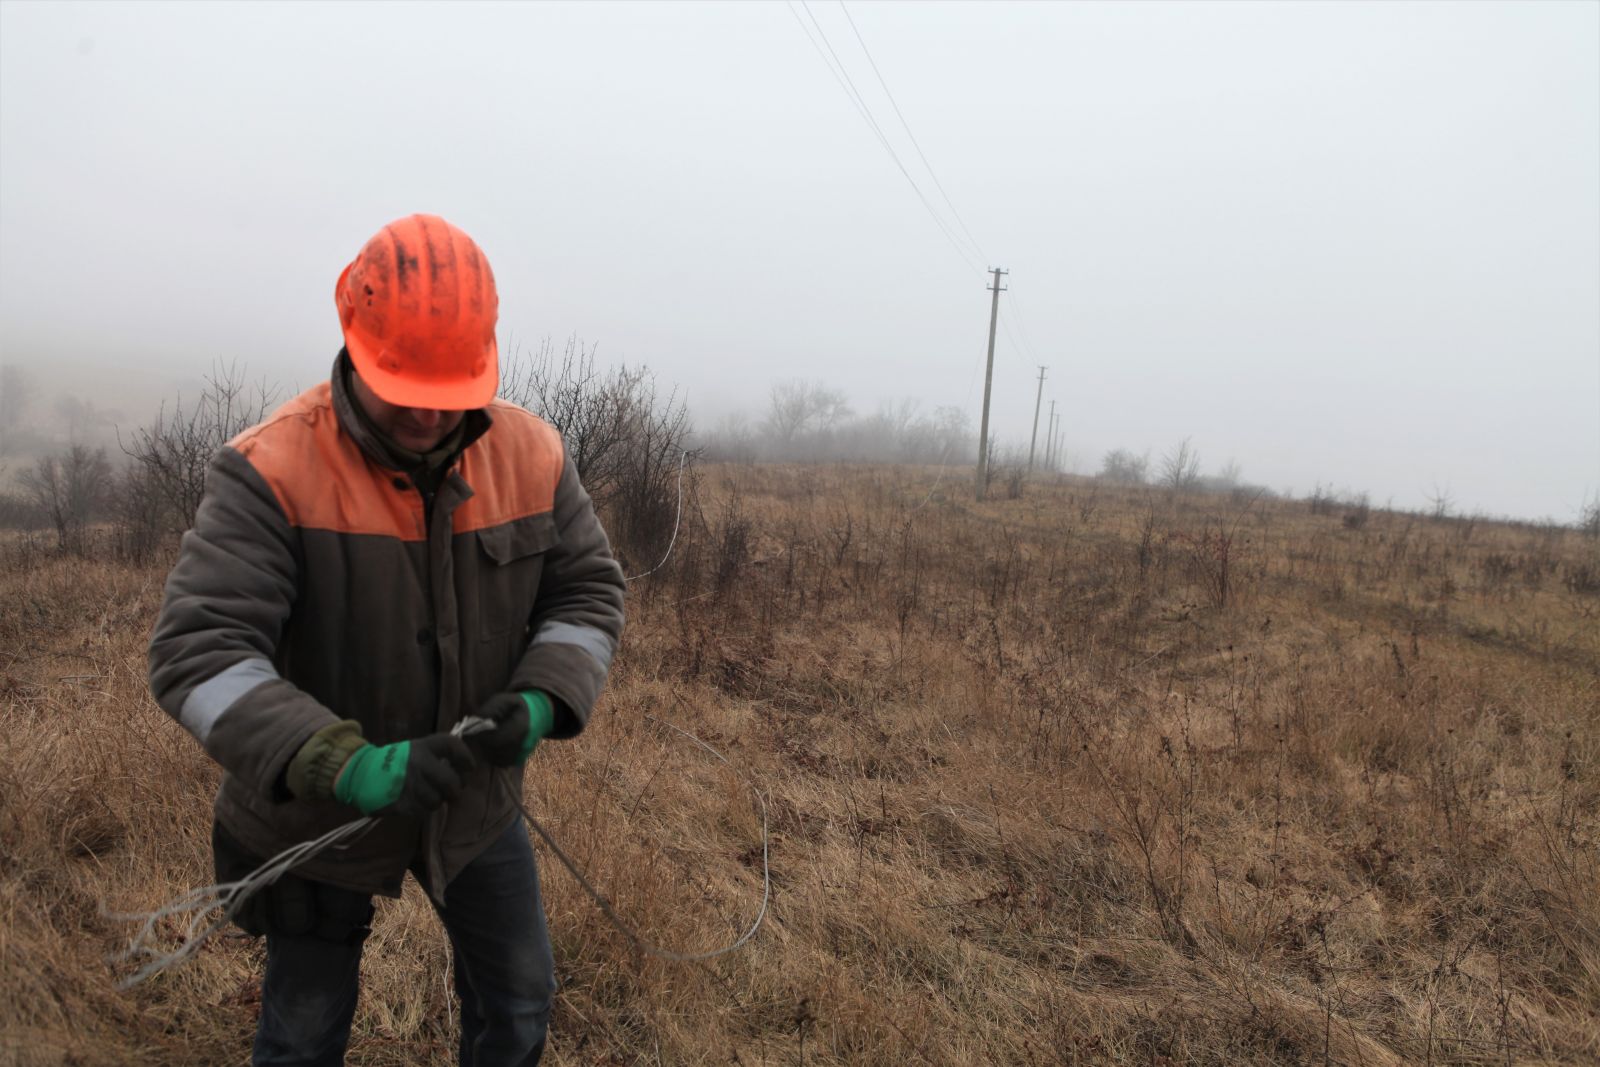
x,y
1349,243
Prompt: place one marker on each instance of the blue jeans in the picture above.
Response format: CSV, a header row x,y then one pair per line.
x,y
505,973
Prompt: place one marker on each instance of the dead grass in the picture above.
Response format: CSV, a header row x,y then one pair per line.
x,y
1090,776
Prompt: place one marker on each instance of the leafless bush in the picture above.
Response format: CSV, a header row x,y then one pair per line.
x,y
1123,467
141,516
1356,518
1012,478
731,537
177,448
70,489
1213,557
626,441
1180,468
646,499
1589,518
1582,578
1440,503
1323,501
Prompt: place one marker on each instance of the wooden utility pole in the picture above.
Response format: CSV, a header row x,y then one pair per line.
x,y
1034,440
988,382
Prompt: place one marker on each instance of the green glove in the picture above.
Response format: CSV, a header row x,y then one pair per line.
x,y
521,721
406,778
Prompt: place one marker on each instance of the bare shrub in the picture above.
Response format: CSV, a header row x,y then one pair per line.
x,y
1213,557
141,515
177,448
1440,503
1180,468
731,537
1356,518
1012,478
70,489
1123,467
1589,518
1323,501
626,441
1582,578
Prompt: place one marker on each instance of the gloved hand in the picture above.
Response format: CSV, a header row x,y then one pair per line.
x,y
405,778
521,720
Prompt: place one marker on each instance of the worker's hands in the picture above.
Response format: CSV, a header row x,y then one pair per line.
x,y
520,721
406,778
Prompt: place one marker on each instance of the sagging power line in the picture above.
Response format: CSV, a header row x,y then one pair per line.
x,y
841,74
914,142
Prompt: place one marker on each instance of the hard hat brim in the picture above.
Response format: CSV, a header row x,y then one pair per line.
x,y
441,394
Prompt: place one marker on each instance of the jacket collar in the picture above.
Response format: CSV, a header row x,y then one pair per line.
x,y
373,444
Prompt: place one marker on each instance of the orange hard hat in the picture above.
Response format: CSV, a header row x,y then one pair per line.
x,y
418,307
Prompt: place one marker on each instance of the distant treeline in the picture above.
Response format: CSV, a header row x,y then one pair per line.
x,y
809,422
628,441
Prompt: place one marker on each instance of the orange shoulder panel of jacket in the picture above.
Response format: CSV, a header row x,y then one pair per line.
x,y
320,476
513,469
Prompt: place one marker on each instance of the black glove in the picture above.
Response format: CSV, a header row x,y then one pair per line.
x,y
520,720
407,778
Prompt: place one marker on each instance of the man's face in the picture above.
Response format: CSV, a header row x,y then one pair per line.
x,y
417,429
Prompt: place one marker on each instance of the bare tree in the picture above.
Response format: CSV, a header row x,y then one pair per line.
x,y
1180,468
1589,517
177,448
70,489
789,412
800,407
1440,503
1120,465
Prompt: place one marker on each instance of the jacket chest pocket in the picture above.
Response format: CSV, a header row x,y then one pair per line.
x,y
511,562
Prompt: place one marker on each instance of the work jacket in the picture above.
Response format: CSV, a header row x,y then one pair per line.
x,y
319,584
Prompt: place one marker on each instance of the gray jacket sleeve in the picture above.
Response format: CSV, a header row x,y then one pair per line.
x,y
577,617
227,599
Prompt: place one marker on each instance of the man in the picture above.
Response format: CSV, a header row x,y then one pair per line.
x,y
387,553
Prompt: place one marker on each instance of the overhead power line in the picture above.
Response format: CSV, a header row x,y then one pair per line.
x,y
842,76
1022,326
1023,354
914,142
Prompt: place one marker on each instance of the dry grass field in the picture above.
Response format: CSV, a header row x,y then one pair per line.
x,y
1096,775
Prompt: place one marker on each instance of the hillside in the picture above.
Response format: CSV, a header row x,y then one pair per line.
x,y
1094,775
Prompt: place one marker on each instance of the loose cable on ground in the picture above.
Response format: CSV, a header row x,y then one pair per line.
x,y
220,903
617,921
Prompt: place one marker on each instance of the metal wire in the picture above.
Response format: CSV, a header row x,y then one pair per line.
x,y
676,522
616,920
220,903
